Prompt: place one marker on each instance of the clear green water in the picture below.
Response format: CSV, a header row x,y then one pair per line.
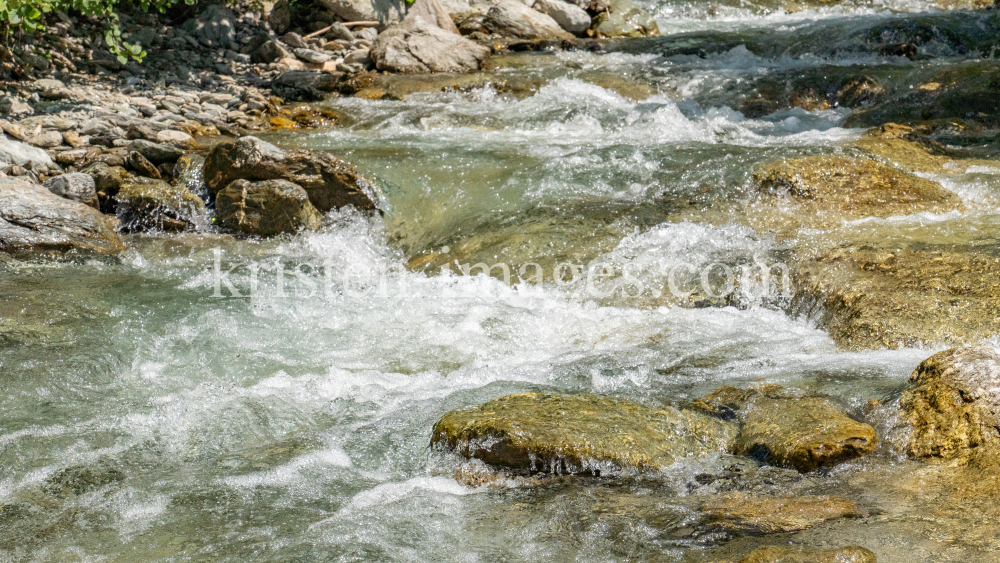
x,y
145,419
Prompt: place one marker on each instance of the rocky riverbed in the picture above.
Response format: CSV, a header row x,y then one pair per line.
x,y
366,280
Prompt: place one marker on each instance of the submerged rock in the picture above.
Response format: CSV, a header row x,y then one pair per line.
x,y
34,219
954,404
579,433
329,182
145,204
745,514
266,208
625,19
511,18
805,433
849,554
838,188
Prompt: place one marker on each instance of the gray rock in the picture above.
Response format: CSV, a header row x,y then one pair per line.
x,y
173,137
570,17
386,12
367,33
339,31
15,153
215,27
76,186
155,152
625,19
13,107
268,52
305,85
266,208
33,219
294,40
432,12
511,18
311,56
46,140
359,56
423,47
141,165
280,16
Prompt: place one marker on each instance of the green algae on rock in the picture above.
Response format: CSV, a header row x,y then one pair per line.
x,y
145,204
744,514
805,433
579,433
954,404
266,208
849,554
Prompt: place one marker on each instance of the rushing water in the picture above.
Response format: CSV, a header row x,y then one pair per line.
x,y
150,415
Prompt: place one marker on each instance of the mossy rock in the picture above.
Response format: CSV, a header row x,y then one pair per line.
x,y
954,405
146,204
266,208
804,433
625,19
579,434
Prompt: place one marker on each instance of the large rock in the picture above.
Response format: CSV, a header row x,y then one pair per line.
x,y
386,12
34,219
155,152
280,16
268,52
849,554
15,153
570,17
625,19
432,12
420,47
579,433
954,404
511,18
266,208
330,182
76,186
744,514
833,189
805,433
145,205
215,27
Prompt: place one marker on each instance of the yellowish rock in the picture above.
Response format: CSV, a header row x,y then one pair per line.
x,y
744,514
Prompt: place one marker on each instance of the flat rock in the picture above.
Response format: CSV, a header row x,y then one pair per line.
x,y
156,153
46,140
510,18
805,433
329,182
76,186
266,208
147,205
16,153
305,85
34,219
953,405
421,47
579,433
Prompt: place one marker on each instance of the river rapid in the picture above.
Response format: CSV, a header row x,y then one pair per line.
x,y
149,414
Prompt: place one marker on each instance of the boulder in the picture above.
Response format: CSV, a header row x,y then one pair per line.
x,y
432,12
34,219
805,433
579,433
849,554
511,18
15,153
570,17
386,12
329,182
266,208
145,205
305,85
215,27
76,186
742,514
843,188
420,47
954,404
625,19
155,152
